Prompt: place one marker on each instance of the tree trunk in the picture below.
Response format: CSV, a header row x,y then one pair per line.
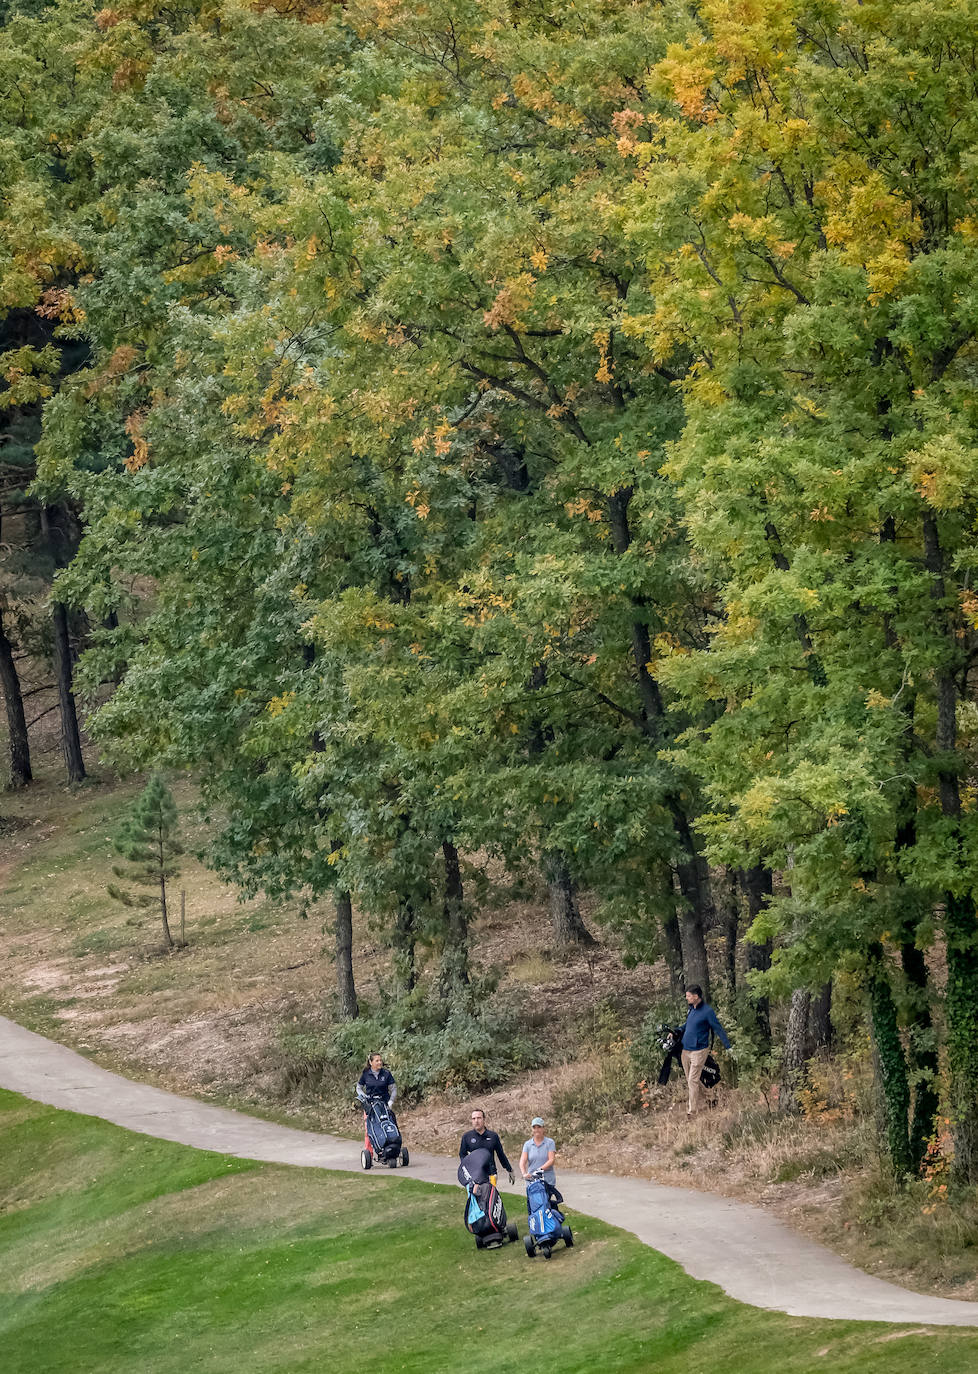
x,y
58,542
728,914
70,738
621,537
813,663
795,1050
758,886
922,1044
962,1033
693,909
694,883
893,1087
405,968
454,973
696,969
960,926
19,745
167,937
345,987
674,952
921,1038
822,1033
565,916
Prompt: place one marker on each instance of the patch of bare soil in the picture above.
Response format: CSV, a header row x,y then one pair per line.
x,y
211,1054
47,977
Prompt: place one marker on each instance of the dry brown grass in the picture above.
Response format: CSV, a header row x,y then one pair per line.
x,y
77,964
533,970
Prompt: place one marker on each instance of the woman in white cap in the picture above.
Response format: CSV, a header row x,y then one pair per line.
x,y
539,1153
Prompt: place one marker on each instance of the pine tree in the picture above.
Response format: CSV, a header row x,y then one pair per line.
x,y
147,841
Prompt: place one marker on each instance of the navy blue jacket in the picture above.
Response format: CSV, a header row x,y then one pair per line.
x,y
699,1022
484,1140
377,1084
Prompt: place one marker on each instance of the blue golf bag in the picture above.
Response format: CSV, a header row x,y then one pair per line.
x,y
546,1223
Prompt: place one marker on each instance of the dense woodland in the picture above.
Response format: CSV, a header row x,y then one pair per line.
x,y
543,431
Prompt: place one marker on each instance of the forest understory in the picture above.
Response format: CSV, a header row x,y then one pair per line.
x,y
243,1013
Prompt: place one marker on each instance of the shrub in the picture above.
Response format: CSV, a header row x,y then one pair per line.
x,y
602,1097
467,1045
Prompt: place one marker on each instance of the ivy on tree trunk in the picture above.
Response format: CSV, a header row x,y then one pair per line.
x,y
728,916
757,883
795,1053
891,1065
922,1047
960,923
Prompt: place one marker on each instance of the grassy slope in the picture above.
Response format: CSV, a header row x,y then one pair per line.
x,y
119,1253
55,870
80,967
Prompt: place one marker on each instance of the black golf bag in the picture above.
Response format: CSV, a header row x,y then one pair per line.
x,y
484,1215
382,1136
671,1040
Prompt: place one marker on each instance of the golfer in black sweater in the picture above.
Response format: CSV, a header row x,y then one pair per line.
x,y
481,1139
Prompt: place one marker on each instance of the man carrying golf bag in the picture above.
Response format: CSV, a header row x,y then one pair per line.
x,y
701,1025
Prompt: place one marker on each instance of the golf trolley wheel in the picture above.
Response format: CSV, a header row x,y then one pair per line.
x,y
366,1159
528,1246
568,1235
546,1252
511,1230
405,1159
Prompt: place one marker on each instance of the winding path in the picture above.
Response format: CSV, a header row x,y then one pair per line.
x,y
748,1253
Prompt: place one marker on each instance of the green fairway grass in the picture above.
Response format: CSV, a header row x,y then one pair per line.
x,y
120,1253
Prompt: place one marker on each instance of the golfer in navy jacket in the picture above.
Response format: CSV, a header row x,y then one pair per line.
x,y
701,1021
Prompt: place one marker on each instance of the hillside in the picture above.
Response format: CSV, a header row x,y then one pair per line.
x,y
243,1013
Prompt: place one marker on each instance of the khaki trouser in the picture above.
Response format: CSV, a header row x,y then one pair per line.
x,y
693,1061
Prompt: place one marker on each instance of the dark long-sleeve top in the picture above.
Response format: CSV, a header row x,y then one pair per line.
x,y
484,1140
696,1032
378,1084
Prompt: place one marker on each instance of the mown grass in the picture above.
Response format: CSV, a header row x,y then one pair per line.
x,y
119,1254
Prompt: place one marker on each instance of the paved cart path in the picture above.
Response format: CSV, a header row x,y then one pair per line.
x,y
748,1253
